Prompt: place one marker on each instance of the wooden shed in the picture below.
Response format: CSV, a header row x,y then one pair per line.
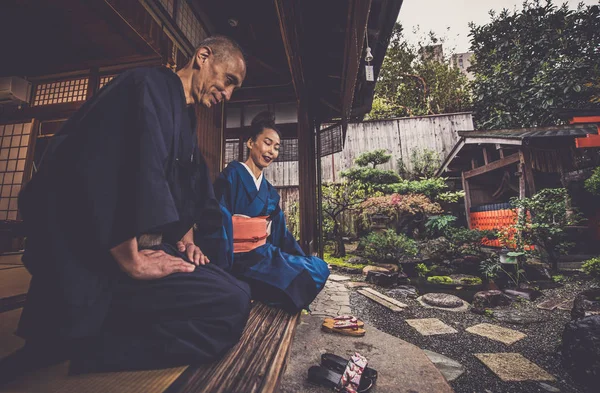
x,y
496,165
305,62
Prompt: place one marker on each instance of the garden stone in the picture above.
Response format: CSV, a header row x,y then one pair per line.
x,y
372,268
581,350
402,278
358,261
535,270
348,270
519,317
409,266
381,279
404,291
466,280
586,303
524,293
490,299
389,266
442,300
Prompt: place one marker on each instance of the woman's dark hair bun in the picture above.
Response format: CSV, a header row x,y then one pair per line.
x,y
264,119
261,121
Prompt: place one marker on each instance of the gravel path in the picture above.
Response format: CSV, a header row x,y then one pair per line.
x,y
540,345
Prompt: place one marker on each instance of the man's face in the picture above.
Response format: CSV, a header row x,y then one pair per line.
x,y
215,79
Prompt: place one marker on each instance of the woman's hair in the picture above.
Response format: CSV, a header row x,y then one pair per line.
x,y
261,121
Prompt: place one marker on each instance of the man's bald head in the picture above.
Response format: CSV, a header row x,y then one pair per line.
x,y
217,68
223,48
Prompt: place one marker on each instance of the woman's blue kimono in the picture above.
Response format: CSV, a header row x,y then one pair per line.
x,y
278,272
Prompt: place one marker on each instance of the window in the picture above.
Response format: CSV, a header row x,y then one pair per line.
x,y
189,24
14,140
71,90
104,80
168,6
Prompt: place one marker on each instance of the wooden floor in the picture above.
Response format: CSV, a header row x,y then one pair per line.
x,y
255,364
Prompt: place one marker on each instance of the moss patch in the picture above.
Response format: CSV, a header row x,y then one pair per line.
x,y
341,262
440,280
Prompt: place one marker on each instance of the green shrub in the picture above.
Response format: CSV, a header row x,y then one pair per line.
x,y
591,267
438,225
440,280
592,184
558,278
388,247
465,241
422,269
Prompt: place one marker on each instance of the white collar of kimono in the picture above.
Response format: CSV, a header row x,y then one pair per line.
x,y
258,180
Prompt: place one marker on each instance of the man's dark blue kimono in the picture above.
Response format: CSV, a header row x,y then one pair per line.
x,y
279,272
126,164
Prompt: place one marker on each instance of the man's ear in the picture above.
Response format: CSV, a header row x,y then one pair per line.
x,y
202,55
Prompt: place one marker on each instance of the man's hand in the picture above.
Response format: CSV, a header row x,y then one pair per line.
x,y
147,264
193,252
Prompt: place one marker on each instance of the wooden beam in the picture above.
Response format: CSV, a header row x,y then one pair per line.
x,y
485,156
473,163
525,158
466,189
522,187
502,141
493,166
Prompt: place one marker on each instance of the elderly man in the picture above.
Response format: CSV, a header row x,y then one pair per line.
x,y
118,282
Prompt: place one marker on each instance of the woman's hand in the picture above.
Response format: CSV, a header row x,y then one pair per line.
x,y
193,252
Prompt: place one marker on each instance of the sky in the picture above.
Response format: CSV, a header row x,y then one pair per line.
x,y
439,15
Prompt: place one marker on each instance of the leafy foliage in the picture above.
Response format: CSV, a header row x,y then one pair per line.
x,y
591,267
439,225
388,247
530,62
424,164
492,268
414,85
431,187
592,184
463,241
375,157
422,269
293,219
372,176
542,220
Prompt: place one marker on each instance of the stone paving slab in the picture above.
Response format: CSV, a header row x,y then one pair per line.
x,y
566,305
497,333
357,284
550,304
386,298
450,368
513,367
338,278
430,326
377,299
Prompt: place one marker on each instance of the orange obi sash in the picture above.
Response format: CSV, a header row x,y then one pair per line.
x,y
249,232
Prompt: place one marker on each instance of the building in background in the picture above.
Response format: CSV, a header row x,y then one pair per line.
x,y
463,61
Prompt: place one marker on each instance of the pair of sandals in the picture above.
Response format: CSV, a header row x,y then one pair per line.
x,y
347,325
346,376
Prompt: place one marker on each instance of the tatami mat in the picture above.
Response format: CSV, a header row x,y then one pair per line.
x,y
55,379
8,324
12,259
14,282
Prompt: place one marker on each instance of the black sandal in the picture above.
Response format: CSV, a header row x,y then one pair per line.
x,y
352,380
338,364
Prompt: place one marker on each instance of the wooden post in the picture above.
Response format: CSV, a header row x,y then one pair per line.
x,y
526,170
522,190
465,184
307,179
486,159
473,163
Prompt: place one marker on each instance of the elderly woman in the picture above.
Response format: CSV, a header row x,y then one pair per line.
x,y
263,252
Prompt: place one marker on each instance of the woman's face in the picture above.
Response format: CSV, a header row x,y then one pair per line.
x,y
265,149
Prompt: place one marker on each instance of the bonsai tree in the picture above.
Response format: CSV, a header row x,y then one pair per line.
x,y
337,199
